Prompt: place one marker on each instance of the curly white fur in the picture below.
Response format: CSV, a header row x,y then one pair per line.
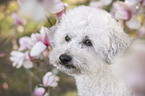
x,y
94,72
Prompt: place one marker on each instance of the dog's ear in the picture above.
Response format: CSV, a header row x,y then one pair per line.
x,y
119,43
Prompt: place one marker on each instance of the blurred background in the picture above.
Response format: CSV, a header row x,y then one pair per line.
x,y
16,82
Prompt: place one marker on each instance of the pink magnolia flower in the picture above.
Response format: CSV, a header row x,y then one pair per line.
x,y
54,6
59,14
123,10
39,91
41,42
50,79
19,58
96,4
39,8
17,19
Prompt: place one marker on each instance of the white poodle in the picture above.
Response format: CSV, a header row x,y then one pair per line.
x,y
87,41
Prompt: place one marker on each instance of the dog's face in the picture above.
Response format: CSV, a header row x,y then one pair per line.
x,y
86,40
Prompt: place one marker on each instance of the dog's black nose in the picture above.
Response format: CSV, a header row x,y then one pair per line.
x,y
65,58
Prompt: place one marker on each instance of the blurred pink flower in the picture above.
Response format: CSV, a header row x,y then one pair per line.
x,y
19,58
39,8
54,6
50,79
141,32
25,43
123,10
133,2
96,4
17,19
39,91
41,42
59,14
133,23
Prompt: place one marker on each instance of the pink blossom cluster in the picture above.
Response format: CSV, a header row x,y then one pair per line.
x,y
31,48
41,9
49,80
127,12
36,47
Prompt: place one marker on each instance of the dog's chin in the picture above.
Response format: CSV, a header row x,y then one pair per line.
x,y
68,69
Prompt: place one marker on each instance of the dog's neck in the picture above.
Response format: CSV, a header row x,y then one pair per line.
x,y
101,83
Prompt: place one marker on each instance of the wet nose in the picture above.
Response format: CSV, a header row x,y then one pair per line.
x,y
65,58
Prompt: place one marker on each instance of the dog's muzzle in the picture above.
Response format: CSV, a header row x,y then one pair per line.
x,y
66,60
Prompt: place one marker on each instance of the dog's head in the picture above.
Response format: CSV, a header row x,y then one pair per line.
x,y
86,40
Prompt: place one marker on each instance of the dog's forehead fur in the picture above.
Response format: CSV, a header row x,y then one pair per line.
x,y
88,21
92,19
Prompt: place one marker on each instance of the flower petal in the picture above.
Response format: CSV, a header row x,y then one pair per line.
x,y
36,37
45,36
131,1
38,91
17,58
123,10
56,8
40,14
25,43
133,23
50,79
59,14
122,14
17,53
20,62
37,49
33,8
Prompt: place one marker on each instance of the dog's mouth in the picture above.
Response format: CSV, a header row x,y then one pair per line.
x,y
68,65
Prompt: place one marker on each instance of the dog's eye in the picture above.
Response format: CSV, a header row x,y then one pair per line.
x,y
67,38
87,42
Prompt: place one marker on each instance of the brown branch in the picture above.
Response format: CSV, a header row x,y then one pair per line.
x,y
30,85
33,75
